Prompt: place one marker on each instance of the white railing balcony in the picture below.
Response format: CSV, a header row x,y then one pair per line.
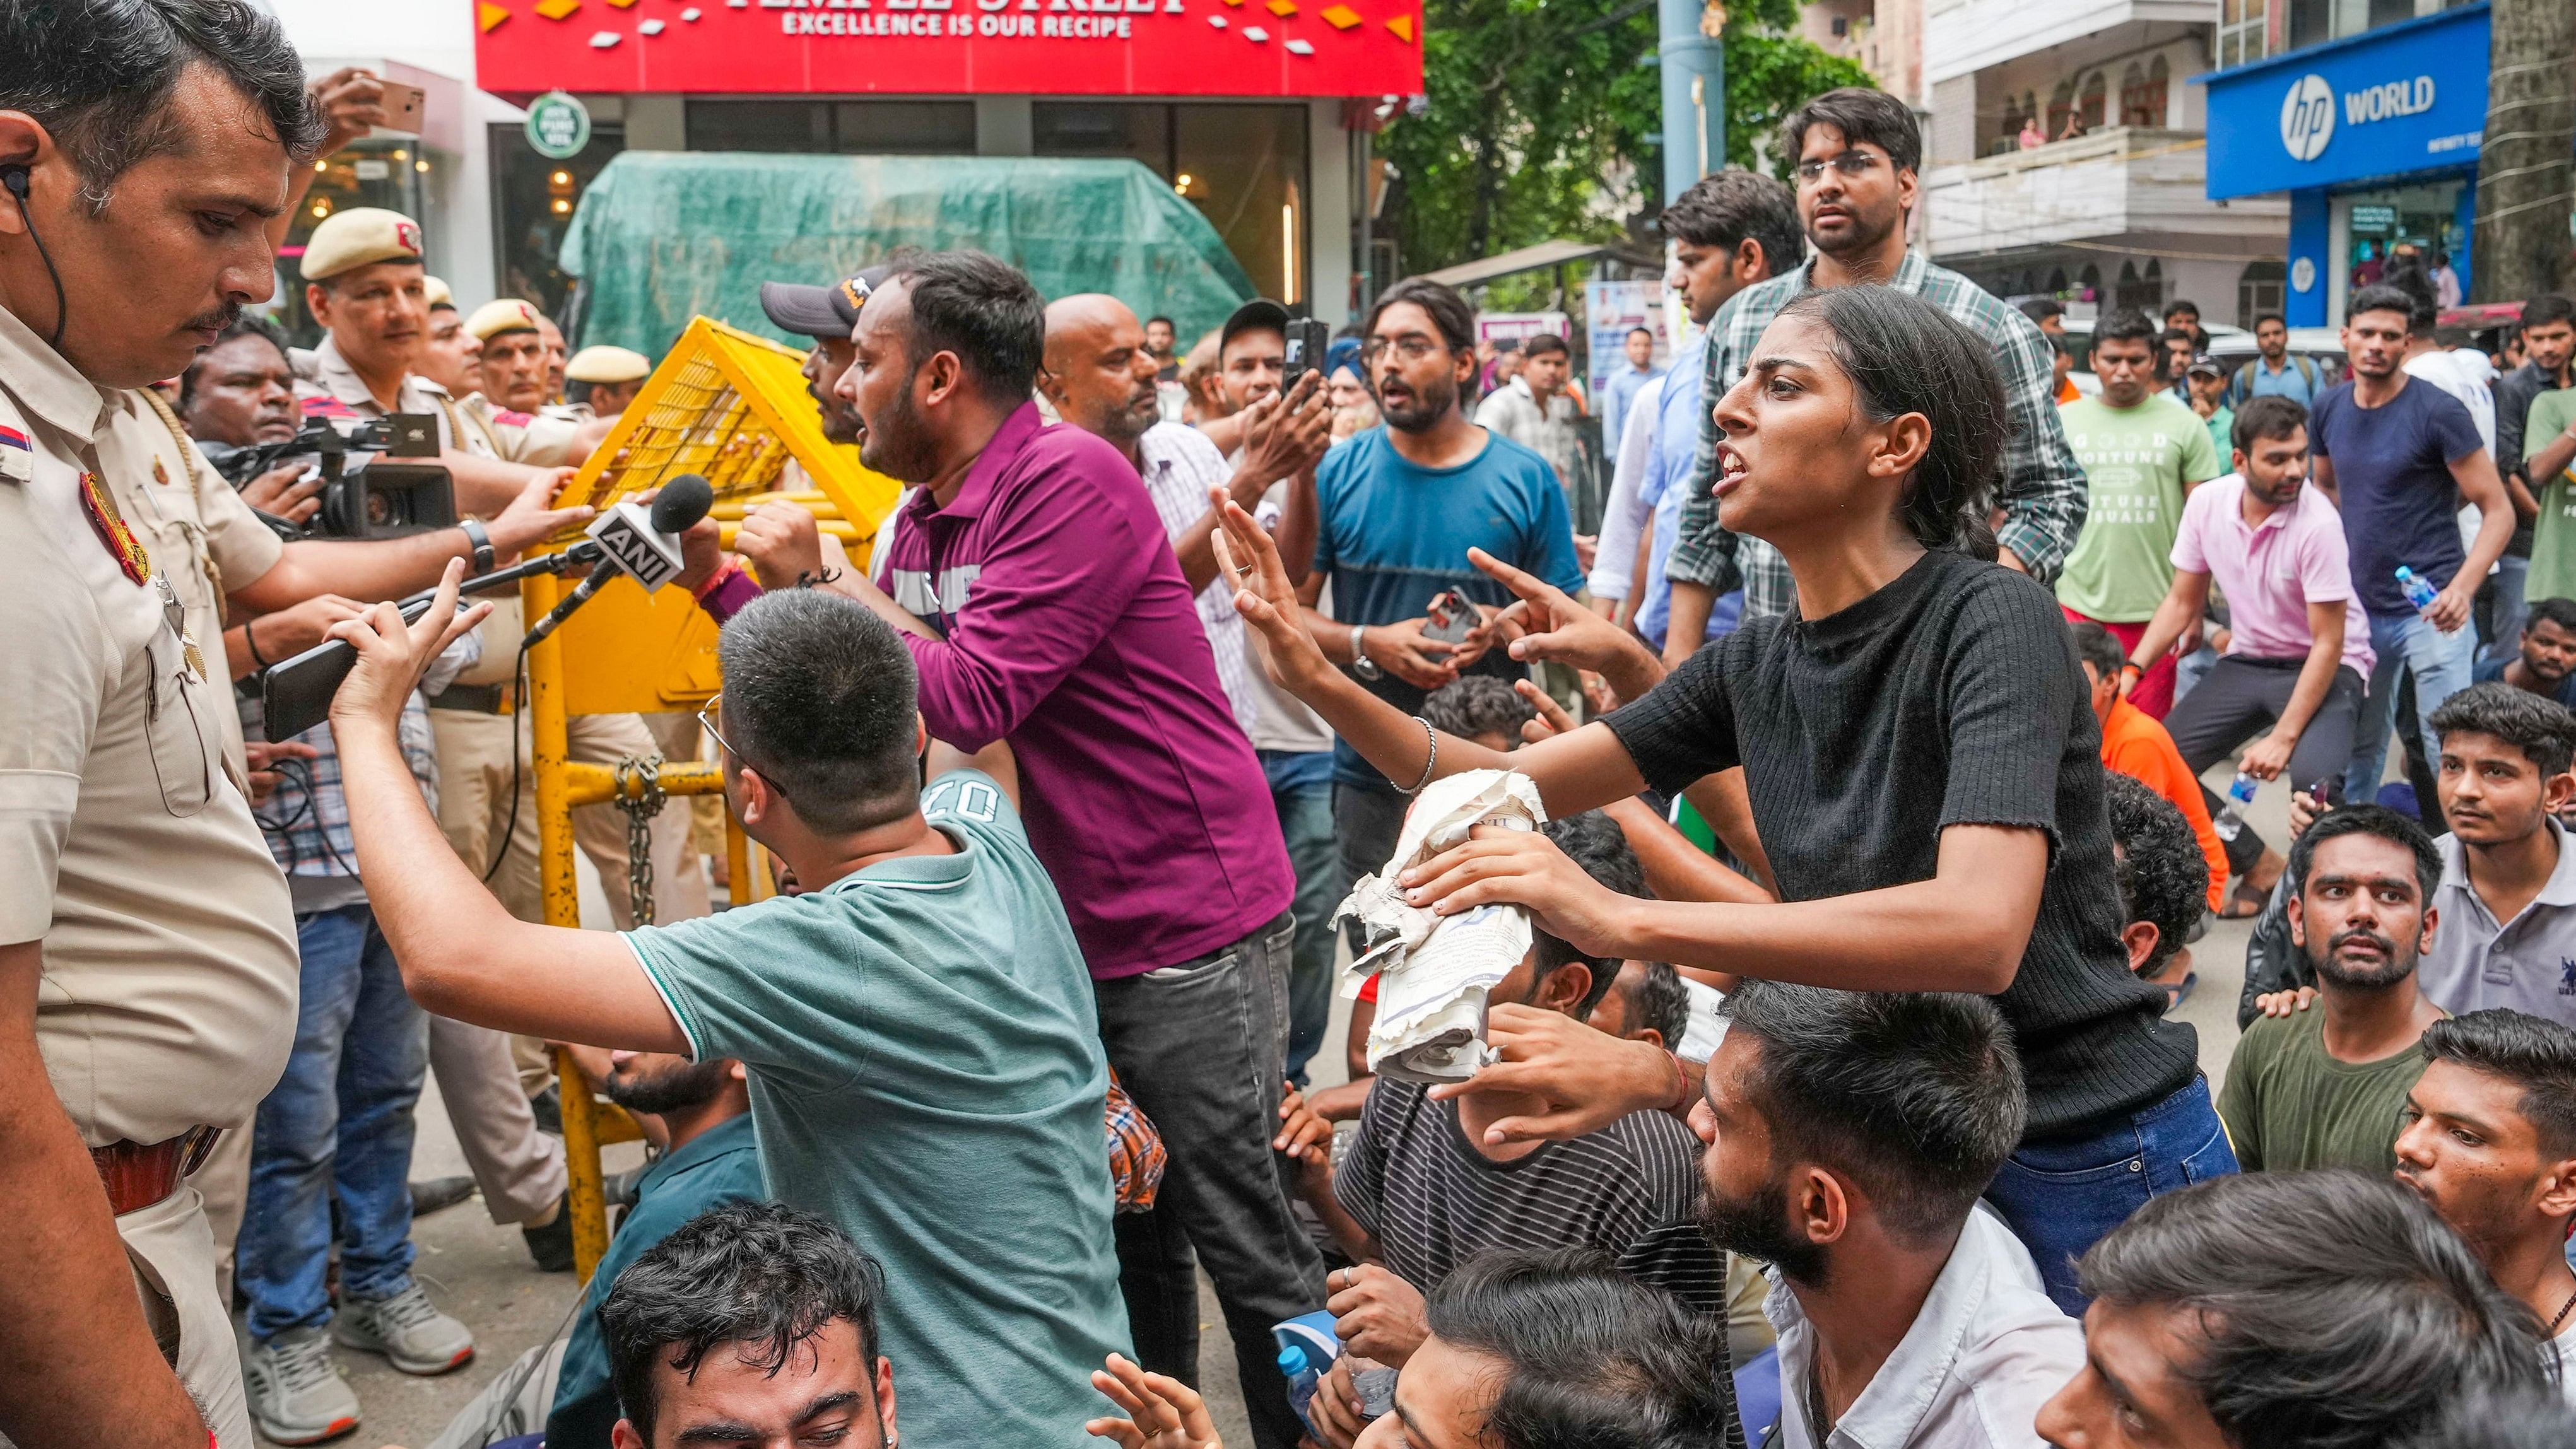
x,y
2118,181
1965,36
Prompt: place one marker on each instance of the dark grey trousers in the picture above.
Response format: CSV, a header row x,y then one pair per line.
x,y
2240,698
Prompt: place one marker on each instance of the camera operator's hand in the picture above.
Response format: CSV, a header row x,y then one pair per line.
x,y
353,102
264,758
285,493
292,630
782,545
532,517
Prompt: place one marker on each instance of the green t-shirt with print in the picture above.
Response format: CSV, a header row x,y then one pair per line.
x,y
2553,533
2137,464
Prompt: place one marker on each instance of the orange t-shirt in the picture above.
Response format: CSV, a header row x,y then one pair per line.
x,y
2134,744
2067,391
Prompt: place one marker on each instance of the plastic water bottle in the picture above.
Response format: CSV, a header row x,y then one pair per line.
x,y
2419,590
1302,1379
2240,793
1376,1384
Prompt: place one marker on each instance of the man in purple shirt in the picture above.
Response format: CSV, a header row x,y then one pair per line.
x,y
1033,582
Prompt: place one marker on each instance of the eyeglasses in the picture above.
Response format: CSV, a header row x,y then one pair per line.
x,y
707,722
1412,347
1851,164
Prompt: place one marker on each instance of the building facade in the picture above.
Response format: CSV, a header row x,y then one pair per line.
x,y
2068,155
2367,117
1258,113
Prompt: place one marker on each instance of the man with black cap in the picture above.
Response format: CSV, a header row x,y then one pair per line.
x,y
826,315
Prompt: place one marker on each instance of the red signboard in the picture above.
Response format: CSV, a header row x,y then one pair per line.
x,y
952,47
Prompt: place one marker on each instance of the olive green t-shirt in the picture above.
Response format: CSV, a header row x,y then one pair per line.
x,y
2553,536
2289,1106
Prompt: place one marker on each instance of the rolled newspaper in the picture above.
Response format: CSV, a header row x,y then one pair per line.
x,y
1433,972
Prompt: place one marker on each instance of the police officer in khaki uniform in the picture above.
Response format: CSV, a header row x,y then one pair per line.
x,y
604,379
147,958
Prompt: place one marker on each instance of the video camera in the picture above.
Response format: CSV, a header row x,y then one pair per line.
x,y
375,498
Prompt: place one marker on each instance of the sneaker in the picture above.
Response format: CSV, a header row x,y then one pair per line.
x,y
296,1393
407,1329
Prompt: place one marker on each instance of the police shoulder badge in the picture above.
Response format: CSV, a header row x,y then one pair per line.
x,y
110,527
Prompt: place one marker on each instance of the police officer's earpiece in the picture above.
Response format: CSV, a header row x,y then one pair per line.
x,y
13,179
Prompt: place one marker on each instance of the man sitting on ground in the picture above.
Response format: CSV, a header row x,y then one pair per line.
x,y
2160,872
2135,744
711,1162
1646,1002
917,1025
2545,662
2508,888
1849,1134
752,1324
2489,1139
2322,1088
1420,1190
2287,1311
1536,1350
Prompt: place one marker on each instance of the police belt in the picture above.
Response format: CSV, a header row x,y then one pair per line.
x,y
475,699
137,1175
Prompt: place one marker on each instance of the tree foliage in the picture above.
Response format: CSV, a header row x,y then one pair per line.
x,y
1537,114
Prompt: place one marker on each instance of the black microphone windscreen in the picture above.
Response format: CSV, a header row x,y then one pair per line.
x,y
681,503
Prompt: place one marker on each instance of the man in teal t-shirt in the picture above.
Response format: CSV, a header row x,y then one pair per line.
x,y
925,1067
2142,451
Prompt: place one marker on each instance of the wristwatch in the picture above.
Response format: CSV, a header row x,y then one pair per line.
x,y
482,541
1361,664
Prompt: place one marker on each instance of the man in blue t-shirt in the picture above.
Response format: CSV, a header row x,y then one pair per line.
x,y
2399,459
1400,506
918,1025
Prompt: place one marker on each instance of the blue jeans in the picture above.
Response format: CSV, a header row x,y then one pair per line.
x,y
338,1125
2441,664
2061,1198
2511,608
1301,789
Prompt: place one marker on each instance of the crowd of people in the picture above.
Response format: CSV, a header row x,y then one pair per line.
x,y
1838,1099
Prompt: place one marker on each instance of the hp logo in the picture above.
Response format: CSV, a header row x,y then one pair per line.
x,y
2307,117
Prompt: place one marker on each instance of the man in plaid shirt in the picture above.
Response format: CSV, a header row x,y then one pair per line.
x,y
1858,151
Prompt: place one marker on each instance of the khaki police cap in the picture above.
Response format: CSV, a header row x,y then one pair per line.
x,y
357,237
436,293
607,364
509,314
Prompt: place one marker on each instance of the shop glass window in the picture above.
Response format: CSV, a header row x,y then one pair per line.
x,y
537,199
850,128
1243,166
2242,34
385,171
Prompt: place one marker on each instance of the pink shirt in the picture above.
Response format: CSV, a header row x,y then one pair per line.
x,y
2271,574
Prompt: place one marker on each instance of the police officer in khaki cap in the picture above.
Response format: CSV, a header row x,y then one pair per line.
x,y
605,379
453,354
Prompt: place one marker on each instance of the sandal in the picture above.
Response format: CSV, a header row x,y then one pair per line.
x,y
2238,895
2176,995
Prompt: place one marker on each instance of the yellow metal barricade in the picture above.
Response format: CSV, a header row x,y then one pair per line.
x,y
731,407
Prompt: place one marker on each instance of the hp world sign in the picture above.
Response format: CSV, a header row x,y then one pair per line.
x,y
2307,117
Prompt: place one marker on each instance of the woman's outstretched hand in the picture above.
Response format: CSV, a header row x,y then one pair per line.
x,y
1547,624
1246,558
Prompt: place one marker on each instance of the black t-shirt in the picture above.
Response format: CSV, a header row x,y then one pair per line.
x,y
1950,697
1433,1201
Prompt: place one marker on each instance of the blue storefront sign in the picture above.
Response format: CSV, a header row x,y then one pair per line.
x,y
2399,103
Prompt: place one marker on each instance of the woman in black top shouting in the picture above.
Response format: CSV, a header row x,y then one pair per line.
x,y
1919,751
